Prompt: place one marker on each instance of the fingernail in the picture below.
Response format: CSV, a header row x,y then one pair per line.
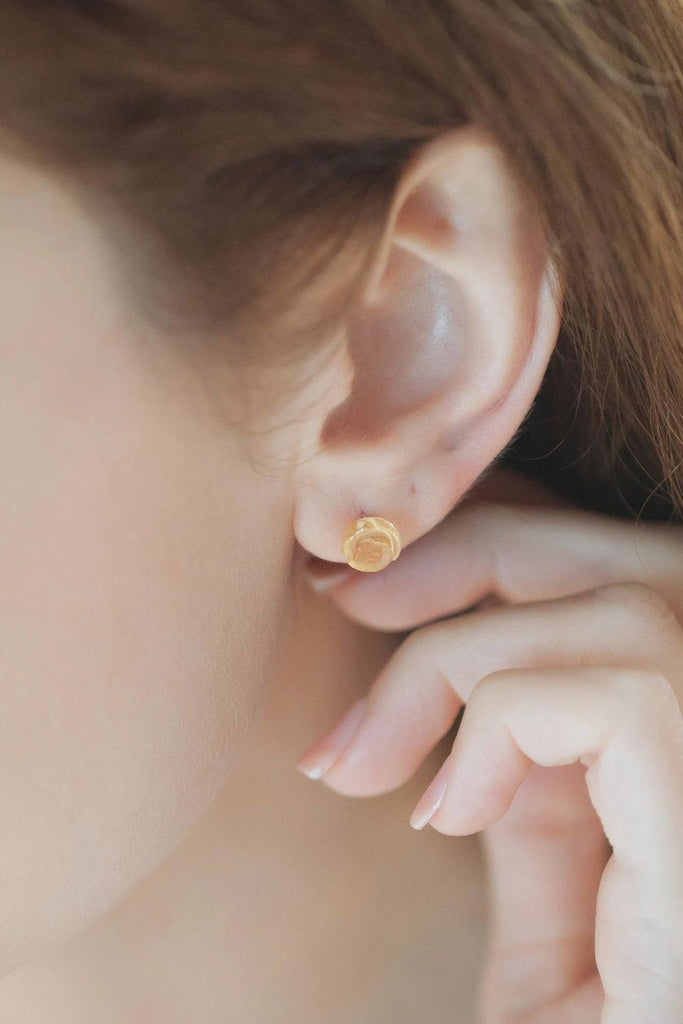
x,y
321,756
432,798
321,575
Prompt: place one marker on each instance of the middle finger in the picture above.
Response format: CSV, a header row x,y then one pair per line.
x,y
413,702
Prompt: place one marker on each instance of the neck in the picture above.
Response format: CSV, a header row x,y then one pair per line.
x,y
283,890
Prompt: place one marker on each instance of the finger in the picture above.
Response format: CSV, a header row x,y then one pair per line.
x,y
414,700
625,725
519,553
579,1003
544,860
503,484
554,717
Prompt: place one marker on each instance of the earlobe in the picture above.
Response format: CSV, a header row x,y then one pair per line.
x,y
448,348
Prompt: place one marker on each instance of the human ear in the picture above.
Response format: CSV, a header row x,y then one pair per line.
x,y
446,352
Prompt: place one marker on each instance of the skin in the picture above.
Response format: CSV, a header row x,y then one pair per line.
x,y
572,736
155,497
155,658
151,553
281,894
163,665
141,554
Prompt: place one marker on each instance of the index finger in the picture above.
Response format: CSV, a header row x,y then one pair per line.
x,y
517,553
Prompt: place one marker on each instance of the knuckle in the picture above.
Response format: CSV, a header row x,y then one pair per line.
x,y
644,689
421,639
638,600
484,518
492,688
424,646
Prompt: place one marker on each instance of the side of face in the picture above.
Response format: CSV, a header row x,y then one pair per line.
x,y
146,556
145,563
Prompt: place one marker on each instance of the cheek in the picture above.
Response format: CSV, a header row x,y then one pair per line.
x,y
146,574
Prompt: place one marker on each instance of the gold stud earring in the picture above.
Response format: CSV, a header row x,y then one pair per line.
x,y
371,543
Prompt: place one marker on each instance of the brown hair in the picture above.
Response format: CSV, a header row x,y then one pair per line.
x,y
242,149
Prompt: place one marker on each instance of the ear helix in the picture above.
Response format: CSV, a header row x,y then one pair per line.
x,y
371,543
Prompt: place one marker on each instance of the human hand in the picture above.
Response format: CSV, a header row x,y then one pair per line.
x,y
572,674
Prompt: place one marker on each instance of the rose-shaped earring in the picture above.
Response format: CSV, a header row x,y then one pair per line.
x,y
371,543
